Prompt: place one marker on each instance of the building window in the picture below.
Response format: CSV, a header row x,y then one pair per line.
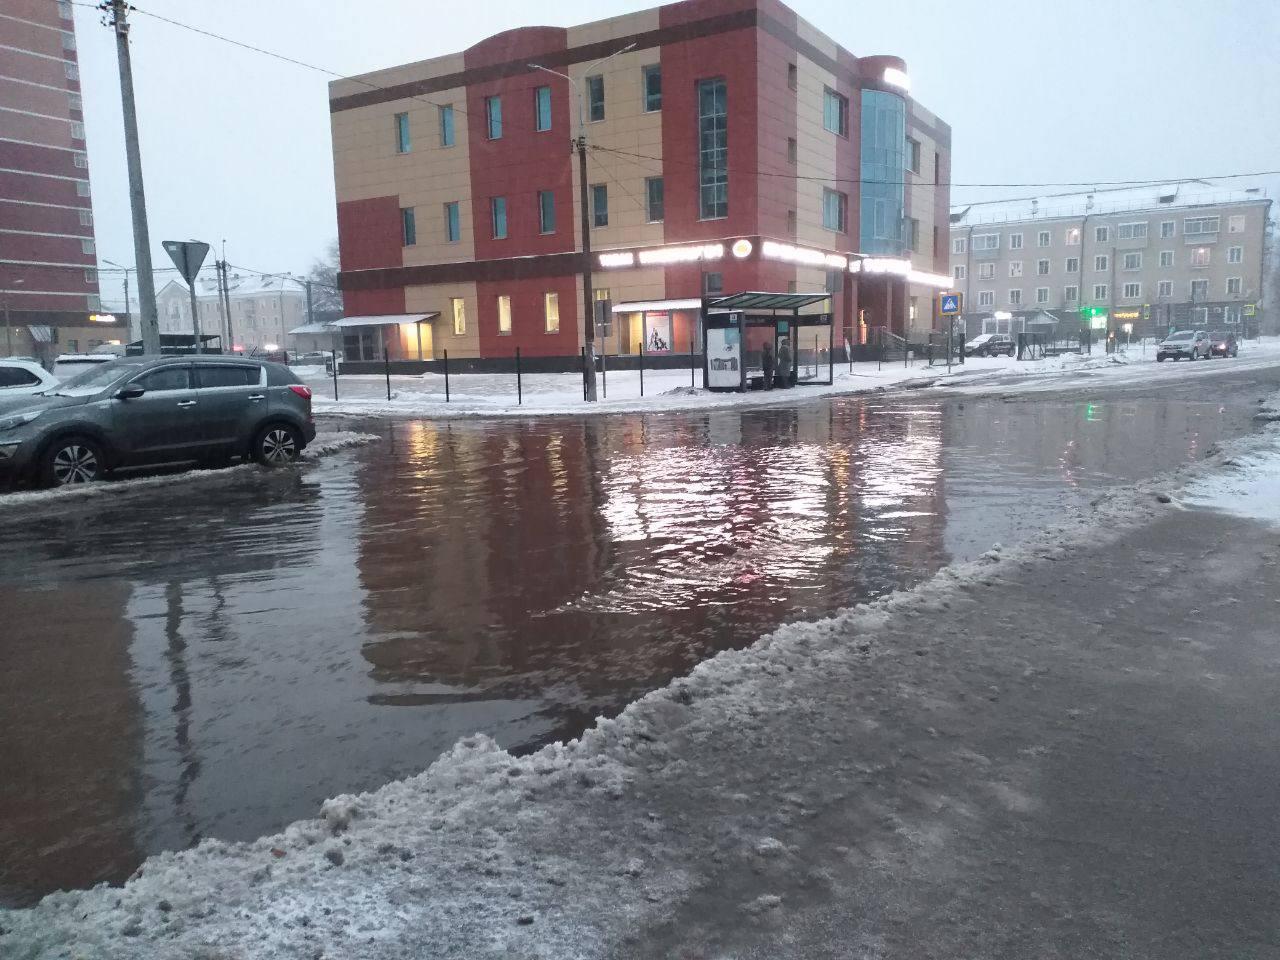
x,y
551,310
504,315
793,150
446,124
1015,297
958,271
1200,226
599,205
1235,254
1042,294
1101,263
1132,261
958,245
71,71
68,41
1166,229
1234,285
77,130
1099,291
604,319
654,199
1199,289
1132,291
835,112
542,109
1164,288
458,307
1071,293
793,77
86,246
652,77
498,217
1042,268
1102,234
913,234
1072,237
1072,265
452,222
64,9
986,298
91,276
75,102
713,150
1131,231
986,271
86,219
835,210
1235,223
1042,238
403,144
595,98
546,211
493,116
81,160
713,283
834,281
913,155
986,241
1166,258
1015,241
1200,257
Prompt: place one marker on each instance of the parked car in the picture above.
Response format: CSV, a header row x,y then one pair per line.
x,y
70,365
1223,343
989,344
1191,344
21,378
141,411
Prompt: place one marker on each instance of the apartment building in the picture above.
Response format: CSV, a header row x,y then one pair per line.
x,y
264,309
48,277
1134,261
727,143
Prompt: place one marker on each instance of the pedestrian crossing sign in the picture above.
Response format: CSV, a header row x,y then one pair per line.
x,y
949,305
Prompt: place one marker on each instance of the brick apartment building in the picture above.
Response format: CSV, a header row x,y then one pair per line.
x,y
48,277
1140,260
726,150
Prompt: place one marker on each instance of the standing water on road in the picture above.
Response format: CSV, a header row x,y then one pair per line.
x,y
215,660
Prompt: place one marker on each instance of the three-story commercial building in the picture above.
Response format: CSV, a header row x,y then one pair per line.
x,y
1135,261
732,147
48,278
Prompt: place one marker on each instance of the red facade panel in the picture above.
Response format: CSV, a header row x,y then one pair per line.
x,y
369,234
23,96
528,318
25,216
368,303
23,246
25,156
25,186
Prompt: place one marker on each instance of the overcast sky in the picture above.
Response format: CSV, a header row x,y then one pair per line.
x,y
235,145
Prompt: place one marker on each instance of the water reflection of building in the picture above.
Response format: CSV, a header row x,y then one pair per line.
x,y
69,740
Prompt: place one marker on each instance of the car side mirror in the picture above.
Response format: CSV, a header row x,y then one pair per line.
x,y
131,392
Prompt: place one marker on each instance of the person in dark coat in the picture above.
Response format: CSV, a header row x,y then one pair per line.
x,y
766,361
784,363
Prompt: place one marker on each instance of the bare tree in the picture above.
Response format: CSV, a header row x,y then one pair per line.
x,y
326,298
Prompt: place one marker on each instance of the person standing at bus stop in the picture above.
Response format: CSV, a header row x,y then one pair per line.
x,y
784,363
766,361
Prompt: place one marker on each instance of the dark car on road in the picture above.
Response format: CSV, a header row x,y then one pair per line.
x,y
1191,344
989,344
143,411
1223,343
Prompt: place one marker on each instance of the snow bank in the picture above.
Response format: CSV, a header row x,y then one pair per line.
x,y
556,854
1249,483
323,445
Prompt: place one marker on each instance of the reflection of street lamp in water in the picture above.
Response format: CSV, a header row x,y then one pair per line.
x,y
8,327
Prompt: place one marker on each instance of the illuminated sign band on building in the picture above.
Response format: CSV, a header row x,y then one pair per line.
x,y
901,268
772,250
658,256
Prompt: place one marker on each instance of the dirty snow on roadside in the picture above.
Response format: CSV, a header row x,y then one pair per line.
x,y
494,395
323,445
1249,483
559,854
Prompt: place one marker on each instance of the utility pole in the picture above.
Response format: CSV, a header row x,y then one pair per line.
x,y
117,12
219,269
584,218
307,284
128,314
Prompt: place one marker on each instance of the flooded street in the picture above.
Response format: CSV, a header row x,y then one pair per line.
x,y
215,660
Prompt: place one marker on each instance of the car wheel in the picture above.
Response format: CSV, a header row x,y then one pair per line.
x,y
277,444
72,460
1159,358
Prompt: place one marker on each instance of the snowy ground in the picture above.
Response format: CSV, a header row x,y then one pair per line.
x,y
323,445
980,766
494,395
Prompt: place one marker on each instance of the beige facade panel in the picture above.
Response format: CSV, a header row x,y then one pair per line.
x,y
443,336
816,158
614,28
393,76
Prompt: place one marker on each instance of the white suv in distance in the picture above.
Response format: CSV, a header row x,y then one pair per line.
x,y
1192,344
21,378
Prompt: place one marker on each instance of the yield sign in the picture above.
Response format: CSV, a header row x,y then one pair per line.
x,y
187,255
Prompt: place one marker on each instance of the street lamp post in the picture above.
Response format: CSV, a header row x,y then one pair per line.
x,y
128,316
588,299
8,326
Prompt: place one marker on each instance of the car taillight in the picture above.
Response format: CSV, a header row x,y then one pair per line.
x,y
300,390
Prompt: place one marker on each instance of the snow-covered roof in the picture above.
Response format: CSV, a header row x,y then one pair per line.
x,y
243,285
1161,196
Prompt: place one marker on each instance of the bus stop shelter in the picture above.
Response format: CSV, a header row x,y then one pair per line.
x,y
382,323
736,328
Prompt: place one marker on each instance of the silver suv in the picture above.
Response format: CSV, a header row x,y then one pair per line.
x,y
141,411
1192,344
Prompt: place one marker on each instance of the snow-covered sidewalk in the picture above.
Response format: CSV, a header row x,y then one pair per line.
x,y
981,766
494,395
